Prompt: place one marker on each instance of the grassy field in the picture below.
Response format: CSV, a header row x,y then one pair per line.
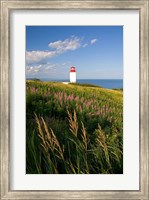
x,y
73,129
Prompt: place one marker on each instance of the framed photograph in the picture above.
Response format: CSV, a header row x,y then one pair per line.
x,y
74,99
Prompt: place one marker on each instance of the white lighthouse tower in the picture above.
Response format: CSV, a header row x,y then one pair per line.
x,y
72,75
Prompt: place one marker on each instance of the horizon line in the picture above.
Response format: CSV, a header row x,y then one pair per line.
x,y
77,79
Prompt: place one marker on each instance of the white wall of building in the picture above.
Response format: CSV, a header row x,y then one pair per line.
x,y
72,77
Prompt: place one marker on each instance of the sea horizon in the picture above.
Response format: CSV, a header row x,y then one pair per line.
x,y
105,83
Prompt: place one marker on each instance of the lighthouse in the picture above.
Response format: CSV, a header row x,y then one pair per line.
x,y
72,75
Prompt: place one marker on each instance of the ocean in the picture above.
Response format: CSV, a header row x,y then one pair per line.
x,y
105,83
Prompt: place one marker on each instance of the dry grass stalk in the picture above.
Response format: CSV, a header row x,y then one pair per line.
x,y
48,138
41,134
84,137
102,142
73,124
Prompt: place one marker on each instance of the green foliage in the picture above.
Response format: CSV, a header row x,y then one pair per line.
x,y
73,129
85,85
118,89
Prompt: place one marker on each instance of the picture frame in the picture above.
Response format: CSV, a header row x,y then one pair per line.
x,y
6,7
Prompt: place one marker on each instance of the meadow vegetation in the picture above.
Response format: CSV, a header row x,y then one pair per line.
x,y
73,129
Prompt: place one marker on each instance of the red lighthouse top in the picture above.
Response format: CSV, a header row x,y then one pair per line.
x,y
72,69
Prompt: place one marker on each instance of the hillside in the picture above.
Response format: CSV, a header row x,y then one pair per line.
x,y
73,128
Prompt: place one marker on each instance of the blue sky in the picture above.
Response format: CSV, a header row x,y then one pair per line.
x,y
95,51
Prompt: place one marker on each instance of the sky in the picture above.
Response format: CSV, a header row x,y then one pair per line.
x,y
95,51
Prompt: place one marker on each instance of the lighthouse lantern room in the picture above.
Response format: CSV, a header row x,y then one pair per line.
x,y
72,75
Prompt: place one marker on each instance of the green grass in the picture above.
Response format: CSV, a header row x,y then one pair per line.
x,y
85,85
73,129
118,89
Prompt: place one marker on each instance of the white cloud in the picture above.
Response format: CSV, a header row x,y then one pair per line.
x,y
37,56
94,41
85,45
39,68
60,46
32,69
45,68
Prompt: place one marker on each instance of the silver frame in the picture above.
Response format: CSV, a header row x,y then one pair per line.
x,y
6,7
